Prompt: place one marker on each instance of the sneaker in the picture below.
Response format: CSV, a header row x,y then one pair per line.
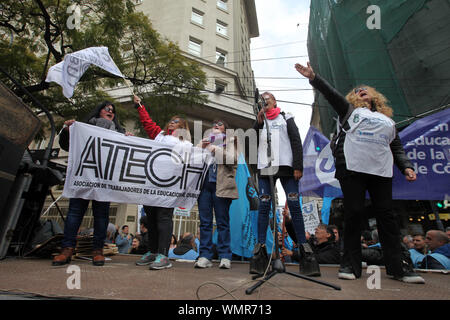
x,y
225,263
410,277
146,259
203,263
346,273
161,262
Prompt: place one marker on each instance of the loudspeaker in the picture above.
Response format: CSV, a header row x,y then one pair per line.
x,y
18,126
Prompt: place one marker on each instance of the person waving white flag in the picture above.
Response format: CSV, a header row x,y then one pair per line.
x,y
68,72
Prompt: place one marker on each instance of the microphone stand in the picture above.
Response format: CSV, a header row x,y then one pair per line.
x,y
277,265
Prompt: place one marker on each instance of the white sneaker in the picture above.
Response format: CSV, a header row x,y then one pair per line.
x,y
225,264
203,263
410,277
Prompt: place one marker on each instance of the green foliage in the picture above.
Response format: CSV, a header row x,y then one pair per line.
x,y
34,35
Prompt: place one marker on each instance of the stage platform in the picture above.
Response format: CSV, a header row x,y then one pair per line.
x,y
121,279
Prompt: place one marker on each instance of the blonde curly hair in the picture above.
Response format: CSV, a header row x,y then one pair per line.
x,y
379,100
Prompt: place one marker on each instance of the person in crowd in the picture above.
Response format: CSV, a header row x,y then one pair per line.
x,y
337,238
110,232
419,251
287,165
324,247
124,240
439,258
104,116
135,246
218,190
160,223
447,231
173,242
185,248
408,241
367,147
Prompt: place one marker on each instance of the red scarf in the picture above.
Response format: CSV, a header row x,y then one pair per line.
x,y
273,113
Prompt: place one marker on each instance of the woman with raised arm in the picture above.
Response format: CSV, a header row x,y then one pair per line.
x,y
366,150
159,219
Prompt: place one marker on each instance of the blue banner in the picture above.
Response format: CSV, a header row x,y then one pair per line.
x,y
427,145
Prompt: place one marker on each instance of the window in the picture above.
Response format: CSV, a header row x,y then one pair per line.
x,y
221,28
221,57
222,4
197,16
220,87
195,47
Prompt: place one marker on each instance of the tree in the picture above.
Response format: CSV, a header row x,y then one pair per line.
x,y
35,35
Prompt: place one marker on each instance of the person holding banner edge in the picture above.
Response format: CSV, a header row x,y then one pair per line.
x,y
104,115
218,190
159,219
287,165
365,152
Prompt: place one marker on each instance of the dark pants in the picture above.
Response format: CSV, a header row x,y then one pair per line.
x,y
206,202
160,228
290,186
354,188
77,209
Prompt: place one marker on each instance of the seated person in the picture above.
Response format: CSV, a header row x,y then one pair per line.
x,y
324,246
136,246
185,248
439,258
419,251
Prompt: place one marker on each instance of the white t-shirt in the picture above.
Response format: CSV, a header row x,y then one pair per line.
x,y
281,145
367,143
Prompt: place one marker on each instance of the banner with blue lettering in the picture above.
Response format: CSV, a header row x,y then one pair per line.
x,y
318,167
427,145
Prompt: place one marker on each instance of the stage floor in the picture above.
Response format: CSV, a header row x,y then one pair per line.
x,y
121,279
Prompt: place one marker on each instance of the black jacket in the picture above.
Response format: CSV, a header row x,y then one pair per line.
x,y
342,106
295,140
95,113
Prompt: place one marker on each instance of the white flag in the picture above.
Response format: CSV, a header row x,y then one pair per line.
x,y
68,72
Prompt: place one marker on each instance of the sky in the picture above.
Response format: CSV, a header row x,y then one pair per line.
x,y
283,31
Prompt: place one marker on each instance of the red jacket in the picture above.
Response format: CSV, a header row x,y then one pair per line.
x,y
149,125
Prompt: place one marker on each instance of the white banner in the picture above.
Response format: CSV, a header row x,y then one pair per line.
x,y
104,165
183,212
68,72
310,216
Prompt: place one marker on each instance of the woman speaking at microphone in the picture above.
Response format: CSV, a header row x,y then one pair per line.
x,y
366,150
160,223
287,165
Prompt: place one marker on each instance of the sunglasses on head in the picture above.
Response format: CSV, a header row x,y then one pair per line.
x,y
108,109
357,90
174,121
218,124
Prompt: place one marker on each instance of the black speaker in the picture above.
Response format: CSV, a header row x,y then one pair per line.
x,y
18,126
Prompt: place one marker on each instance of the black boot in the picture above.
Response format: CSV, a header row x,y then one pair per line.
x,y
260,259
308,263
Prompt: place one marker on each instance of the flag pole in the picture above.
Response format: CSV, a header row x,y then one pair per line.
x,y
131,89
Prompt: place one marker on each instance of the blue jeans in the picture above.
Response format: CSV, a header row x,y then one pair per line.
x,y
290,186
77,209
206,202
